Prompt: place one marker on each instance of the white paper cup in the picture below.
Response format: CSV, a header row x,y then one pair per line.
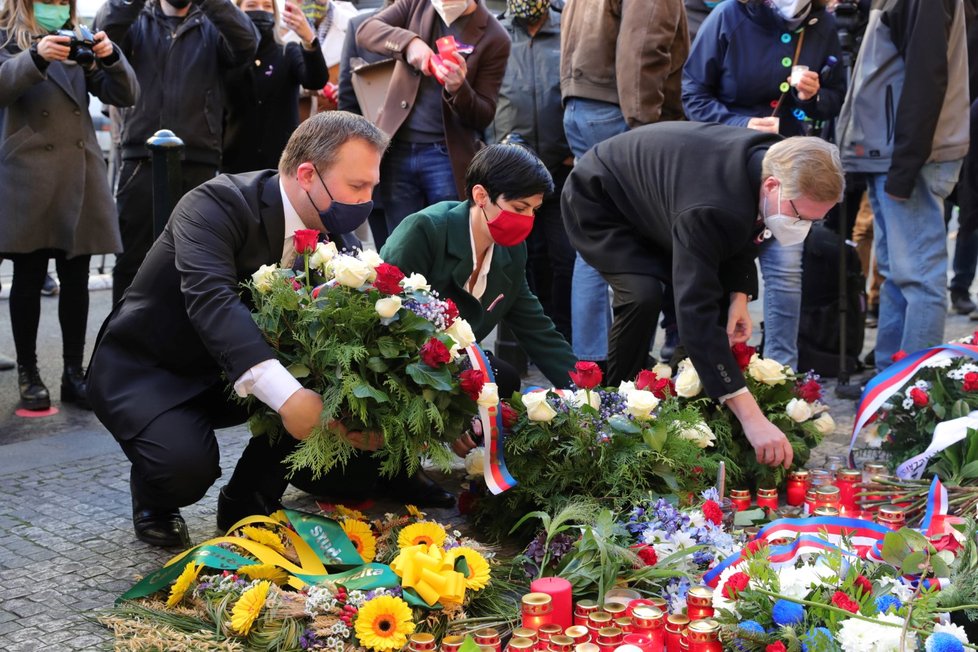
x,y
796,73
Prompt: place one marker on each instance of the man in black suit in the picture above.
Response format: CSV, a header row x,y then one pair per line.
x,y
686,204
159,375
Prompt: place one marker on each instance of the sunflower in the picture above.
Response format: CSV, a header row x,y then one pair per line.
x,y
478,575
359,533
265,572
384,623
248,606
264,537
414,511
185,579
423,533
347,512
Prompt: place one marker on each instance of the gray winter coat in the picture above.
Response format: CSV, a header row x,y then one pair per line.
x,y
53,179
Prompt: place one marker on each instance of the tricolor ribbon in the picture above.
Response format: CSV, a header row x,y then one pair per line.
x,y
497,476
889,381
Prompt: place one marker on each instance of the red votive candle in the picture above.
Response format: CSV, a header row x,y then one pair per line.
x,y
675,624
638,640
767,498
846,480
740,498
797,486
699,603
641,602
579,634
704,636
537,610
582,610
650,621
559,590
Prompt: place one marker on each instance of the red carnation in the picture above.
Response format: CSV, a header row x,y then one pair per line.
x,y
451,312
510,417
472,381
777,646
742,353
863,585
899,355
843,601
389,278
712,512
753,547
647,554
586,374
971,382
735,584
810,390
920,397
434,353
305,241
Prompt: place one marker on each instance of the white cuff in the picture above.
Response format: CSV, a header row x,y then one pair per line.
x,y
269,382
727,397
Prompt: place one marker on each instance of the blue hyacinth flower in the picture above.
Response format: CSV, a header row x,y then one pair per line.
x,y
943,642
785,612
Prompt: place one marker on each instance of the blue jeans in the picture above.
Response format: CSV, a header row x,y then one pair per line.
x,y
587,123
781,269
414,176
911,248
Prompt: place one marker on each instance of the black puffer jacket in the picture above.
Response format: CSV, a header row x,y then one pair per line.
x,y
179,71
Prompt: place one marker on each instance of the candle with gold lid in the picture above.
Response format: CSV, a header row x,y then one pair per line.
x,y
609,638
525,632
487,637
891,516
452,643
699,603
827,496
520,644
767,497
675,626
545,633
596,620
740,499
704,636
582,609
624,623
797,486
616,609
578,633
561,643
421,642
537,610
825,510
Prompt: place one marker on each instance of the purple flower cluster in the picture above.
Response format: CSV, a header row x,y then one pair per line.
x,y
612,403
560,545
308,639
658,515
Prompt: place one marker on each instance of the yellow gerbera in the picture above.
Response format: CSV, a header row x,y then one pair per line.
x,y
183,582
359,533
424,533
347,512
264,537
478,575
248,606
265,572
384,623
414,511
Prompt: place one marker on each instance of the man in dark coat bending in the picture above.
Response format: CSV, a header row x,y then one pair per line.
x,y
686,204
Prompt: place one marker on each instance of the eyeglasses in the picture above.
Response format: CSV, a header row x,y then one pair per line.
x,y
795,209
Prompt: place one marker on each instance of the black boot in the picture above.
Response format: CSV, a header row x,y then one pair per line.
x,y
33,394
73,387
164,528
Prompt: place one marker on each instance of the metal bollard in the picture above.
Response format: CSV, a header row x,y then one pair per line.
x,y
508,349
166,150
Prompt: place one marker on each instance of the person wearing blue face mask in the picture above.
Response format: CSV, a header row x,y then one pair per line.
x,y
46,132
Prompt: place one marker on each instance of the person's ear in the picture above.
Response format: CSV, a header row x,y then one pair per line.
x,y
305,174
479,195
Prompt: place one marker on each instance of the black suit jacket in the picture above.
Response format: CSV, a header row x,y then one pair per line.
x,y
677,201
183,325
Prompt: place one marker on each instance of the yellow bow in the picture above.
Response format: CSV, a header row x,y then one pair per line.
x,y
428,571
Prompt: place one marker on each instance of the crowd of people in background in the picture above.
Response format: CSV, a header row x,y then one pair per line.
x,y
888,81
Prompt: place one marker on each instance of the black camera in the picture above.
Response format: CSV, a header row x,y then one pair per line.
x,y
81,44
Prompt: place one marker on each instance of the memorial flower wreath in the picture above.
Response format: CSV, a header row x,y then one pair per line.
x,y
382,349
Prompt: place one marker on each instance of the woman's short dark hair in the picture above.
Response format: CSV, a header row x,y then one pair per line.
x,y
511,171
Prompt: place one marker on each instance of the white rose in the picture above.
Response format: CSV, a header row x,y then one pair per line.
x,y
461,332
325,252
264,277
799,410
580,398
370,257
537,407
489,396
688,382
351,272
640,403
825,424
474,461
388,306
626,387
700,434
415,282
662,370
766,370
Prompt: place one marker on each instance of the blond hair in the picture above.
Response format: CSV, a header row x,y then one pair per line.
x,y
807,167
18,23
275,30
318,140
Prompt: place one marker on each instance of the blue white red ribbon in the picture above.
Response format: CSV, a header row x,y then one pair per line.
x,y
497,476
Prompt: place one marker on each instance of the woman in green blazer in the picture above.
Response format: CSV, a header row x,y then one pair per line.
x,y
473,253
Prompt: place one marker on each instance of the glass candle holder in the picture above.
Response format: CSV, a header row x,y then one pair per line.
x,y
699,603
675,626
767,497
537,610
520,644
891,516
740,499
704,636
452,643
422,642
847,481
797,486
582,610
578,633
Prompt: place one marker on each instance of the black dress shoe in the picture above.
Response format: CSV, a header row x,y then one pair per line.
x,y
962,303
33,394
233,508
73,389
418,490
164,528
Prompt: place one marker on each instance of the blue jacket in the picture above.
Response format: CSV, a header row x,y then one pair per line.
x,y
741,59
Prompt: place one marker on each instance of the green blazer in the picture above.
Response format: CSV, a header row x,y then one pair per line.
x,y
436,243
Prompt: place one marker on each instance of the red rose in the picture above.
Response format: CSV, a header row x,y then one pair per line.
x,y
971,382
810,390
742,353
472,381
920,397
645,379
389,278
863,585
776,647
451,312
735,584
899,355
305,241
510,417
586,374
843,601
434,353
712,512
647,554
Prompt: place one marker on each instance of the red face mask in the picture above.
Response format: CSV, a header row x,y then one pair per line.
x,y
508,228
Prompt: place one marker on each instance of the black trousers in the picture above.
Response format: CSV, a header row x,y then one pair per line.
x,y
635,308
134,202
550,258
25,303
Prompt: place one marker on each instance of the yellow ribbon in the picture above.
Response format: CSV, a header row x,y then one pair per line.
x,y
427,570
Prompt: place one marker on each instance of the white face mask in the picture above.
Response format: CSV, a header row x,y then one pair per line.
x,y
788,230
450,10
793,11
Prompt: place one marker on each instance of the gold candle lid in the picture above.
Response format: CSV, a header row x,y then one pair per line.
x,y
767,492
599,617
850,475
520,643
525,632
701,592
587,605
422,641
826,510
658,602
609,632
800,474
739,493
586,647
647,613
537,604
488,632
624,622
678,619
453,640
550,629
615,608
576,631
892,511
827,491
703,630
874,467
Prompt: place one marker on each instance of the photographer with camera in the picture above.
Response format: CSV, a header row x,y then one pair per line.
x,y
47,133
